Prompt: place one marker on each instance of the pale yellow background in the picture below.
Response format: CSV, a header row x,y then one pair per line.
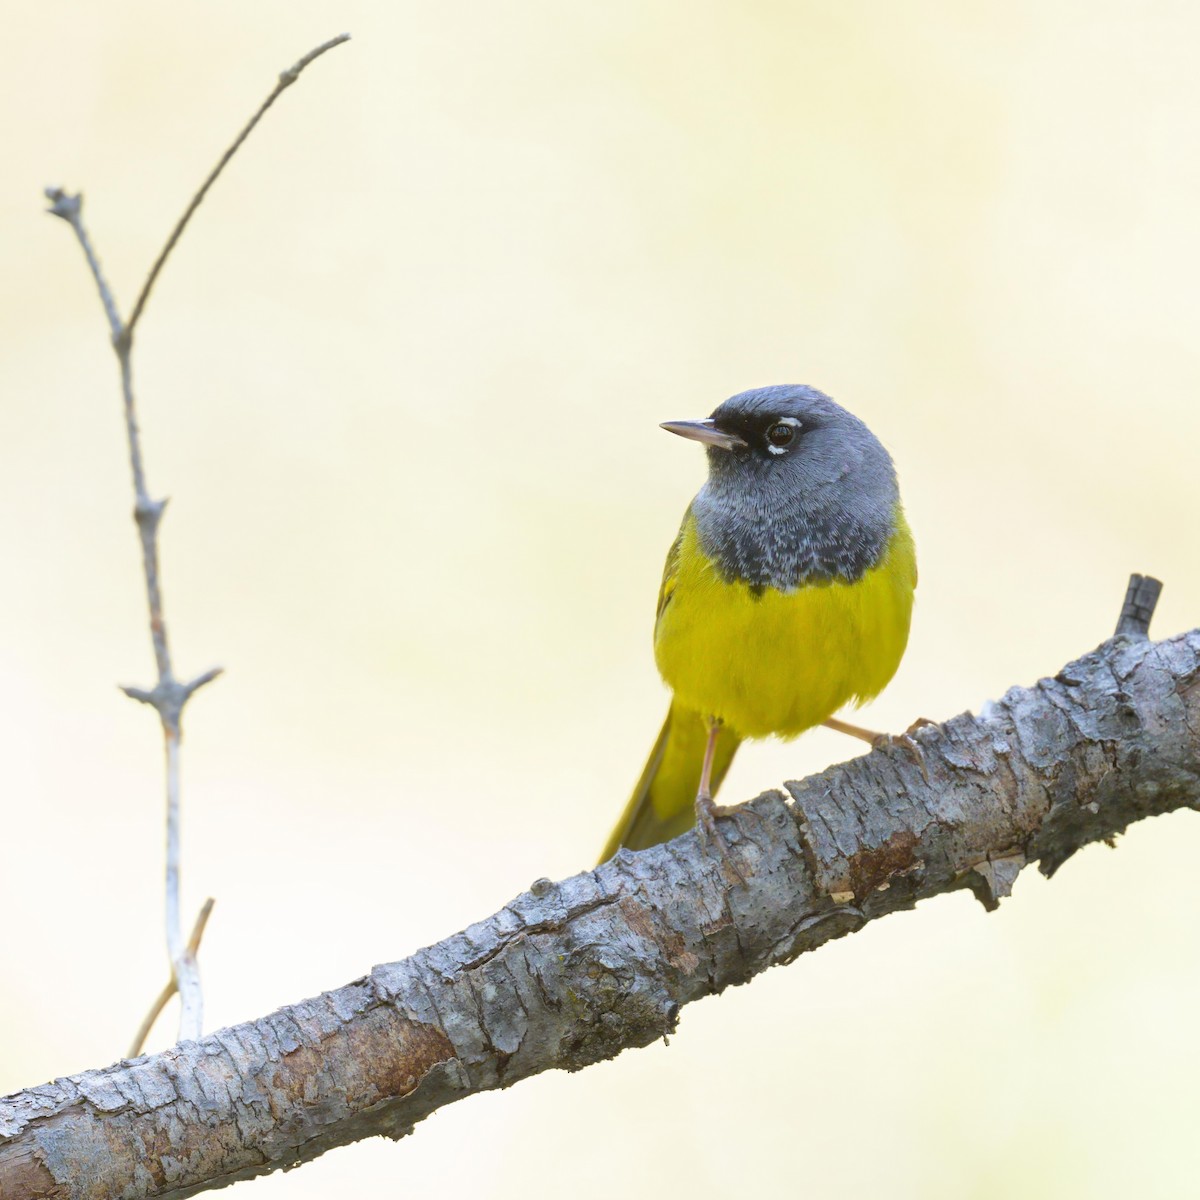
x,y
402,382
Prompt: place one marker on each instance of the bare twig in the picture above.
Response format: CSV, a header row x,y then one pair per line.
x,y
286,79
163,998
70,209
161,1001
168,696
572,973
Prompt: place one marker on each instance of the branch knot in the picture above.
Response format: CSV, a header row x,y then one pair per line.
x,y
64,204
147,513
168,696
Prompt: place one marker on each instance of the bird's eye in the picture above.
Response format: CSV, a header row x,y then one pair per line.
x,y
781,434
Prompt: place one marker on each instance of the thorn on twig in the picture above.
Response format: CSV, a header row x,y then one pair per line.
x,y
205,677
148,513
63,203
1141,597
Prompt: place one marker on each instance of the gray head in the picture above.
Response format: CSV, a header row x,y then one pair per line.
x,y
799,490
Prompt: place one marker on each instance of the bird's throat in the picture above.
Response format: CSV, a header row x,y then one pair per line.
x,y
764,542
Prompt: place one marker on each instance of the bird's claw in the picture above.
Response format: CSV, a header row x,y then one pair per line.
x,y
881,741
710,834
886,741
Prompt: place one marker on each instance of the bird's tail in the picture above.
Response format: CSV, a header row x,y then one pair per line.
x,y
663,803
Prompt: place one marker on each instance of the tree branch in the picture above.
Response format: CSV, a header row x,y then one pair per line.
x,y
286,79
572,973
168,696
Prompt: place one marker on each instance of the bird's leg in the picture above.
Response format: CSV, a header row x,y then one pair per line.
x,y
882,741
706,810
710,752
866,735
873,738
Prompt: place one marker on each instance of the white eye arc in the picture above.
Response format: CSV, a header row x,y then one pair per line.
x,y
781,434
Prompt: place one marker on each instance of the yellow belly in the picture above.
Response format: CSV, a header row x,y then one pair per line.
x,y
782,662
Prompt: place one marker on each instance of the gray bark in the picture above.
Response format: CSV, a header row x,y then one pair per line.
x,y
571,973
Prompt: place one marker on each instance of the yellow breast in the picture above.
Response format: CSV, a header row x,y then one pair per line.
x,y
781,662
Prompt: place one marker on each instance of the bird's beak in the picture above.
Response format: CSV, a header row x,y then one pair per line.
x,y
705,431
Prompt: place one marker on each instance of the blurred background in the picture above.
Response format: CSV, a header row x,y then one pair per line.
x,y
402,382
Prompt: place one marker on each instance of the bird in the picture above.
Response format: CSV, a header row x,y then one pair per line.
x,y
786,595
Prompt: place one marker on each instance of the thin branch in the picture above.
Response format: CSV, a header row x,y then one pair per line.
x,y
163,998
199,926
70,209
572,973
161,1001
286,79
168,696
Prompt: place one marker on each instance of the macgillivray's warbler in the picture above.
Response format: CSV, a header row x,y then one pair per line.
x,y
786,595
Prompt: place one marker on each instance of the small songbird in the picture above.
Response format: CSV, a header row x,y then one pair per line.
x,y
786,595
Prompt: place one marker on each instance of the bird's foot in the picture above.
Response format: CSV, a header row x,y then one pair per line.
x,y
885,741
877,740
710,833
919,723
